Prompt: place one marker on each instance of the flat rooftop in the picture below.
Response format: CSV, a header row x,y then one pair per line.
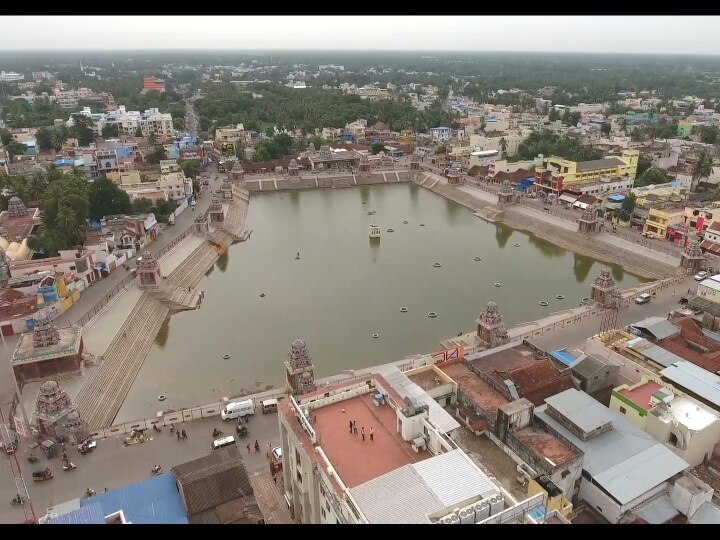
x,y
479,392
68,345
546,446
355,460
641,395
427,380
688,413
505,359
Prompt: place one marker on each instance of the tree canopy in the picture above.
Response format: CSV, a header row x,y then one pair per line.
x,y
652,176
106,198
549,144
190,167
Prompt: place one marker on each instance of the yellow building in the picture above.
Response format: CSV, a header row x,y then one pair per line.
x,y
658,221
554,498
557,173
406,137
124,178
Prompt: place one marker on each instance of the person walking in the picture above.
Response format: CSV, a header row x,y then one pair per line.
x,y
184,435
362,430
351,426
371,434
257,447
178,435
269,449
355,427
248,447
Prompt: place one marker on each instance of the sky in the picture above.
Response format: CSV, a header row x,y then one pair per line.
x,y
595,34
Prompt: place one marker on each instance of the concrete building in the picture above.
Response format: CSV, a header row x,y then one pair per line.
x,y
594,373
176,185
660,220
440,134
622,465
410,472
153,83
557,174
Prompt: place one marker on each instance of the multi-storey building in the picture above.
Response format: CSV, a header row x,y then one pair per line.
x,y
153,83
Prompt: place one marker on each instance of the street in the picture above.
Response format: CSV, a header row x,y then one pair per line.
x,y
112,465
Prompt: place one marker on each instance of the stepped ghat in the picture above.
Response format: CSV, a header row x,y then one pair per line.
x,y
150,300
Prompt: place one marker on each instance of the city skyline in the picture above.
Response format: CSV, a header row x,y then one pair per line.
x,y
579,34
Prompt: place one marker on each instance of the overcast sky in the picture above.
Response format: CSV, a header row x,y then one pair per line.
x,y
621,34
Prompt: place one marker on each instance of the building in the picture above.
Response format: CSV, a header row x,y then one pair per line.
x,y
47,351
17,223
11,76
694,381
594,373
557,173
153,83
622,465
441,134
215,489
410,472
176,185
141,230
659,221
154,500
328,158
691,429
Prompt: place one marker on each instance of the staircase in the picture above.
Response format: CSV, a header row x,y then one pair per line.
x,y
193,268
101,397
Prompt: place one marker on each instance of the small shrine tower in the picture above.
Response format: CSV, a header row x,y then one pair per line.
x,y
294,169
692,257
506,193
588,222
226,191
202,228
149,272
602,289
491,327
300,371
414,163
56,415
217,214
364,164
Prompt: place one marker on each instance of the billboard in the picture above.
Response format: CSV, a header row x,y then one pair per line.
x,y
191,153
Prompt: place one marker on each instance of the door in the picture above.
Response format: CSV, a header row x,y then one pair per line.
x,y
7,330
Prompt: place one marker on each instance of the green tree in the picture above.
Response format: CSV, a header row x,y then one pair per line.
x,y
5,137
44,138
643,165
190,167
110,131
239,150
156,155
627,208
138,132
701,169
82,130
142,206
15,149
106,198
709,134
553,115
377,147
605,128
196,187
665,131
652,176
503,145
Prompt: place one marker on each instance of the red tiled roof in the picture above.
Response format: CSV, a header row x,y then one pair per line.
x,y
689,331
478,170
586,199
16,304
642,394
513,177
712,247
676,169
540,380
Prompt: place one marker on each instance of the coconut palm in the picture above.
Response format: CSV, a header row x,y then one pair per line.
x,y
701,169
66,221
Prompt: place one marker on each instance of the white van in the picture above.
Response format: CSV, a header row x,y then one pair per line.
x,y
269,406
222,443
237,409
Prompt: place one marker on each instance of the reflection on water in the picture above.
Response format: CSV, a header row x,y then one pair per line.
x,y
453,210
222,262
502,234
342,291
162,337
618,272
546,248
581,267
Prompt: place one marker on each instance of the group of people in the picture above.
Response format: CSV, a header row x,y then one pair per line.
x,y
257,447
181,434
354,430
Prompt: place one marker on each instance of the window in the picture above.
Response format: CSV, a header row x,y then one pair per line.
x,y
623,410
673,439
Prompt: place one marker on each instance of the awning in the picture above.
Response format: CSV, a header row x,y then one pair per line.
x,y
712,247
568,198
581,205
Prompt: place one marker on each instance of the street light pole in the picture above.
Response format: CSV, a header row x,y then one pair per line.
x,y
14,379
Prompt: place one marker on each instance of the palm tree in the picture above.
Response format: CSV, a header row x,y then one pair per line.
x,y
66,220
701,169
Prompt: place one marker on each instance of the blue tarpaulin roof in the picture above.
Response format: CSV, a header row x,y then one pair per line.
x,y
562,355
525,183
154,501
616,198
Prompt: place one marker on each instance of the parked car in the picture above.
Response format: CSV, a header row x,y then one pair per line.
x,y
643,298
701,275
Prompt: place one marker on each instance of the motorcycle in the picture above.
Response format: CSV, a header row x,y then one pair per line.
x,y
16,500
216,432
157,469
32,459
89,493
157,428
69,466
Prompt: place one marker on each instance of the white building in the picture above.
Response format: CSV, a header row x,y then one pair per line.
x,y
410,472
10,76
176,185
623,466
440,134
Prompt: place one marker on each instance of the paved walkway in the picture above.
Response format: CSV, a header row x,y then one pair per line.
x,y
176,256
102,329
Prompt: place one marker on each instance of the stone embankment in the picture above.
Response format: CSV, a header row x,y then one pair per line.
x,y
102,395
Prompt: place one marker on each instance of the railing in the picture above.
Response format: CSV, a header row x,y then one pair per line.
x,y
104,301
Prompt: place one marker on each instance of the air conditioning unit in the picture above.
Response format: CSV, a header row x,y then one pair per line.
x,y
482,511
467,515
497,504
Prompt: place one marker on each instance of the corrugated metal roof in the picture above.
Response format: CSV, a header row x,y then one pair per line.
x,y
661,356
660,510
405,387
696,379
588,365
580,409
155,500
639,473
710,283
659,327
399,496
408,494
91,514
608,449
453,478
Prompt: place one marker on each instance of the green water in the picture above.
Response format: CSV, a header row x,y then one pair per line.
x,y
345,288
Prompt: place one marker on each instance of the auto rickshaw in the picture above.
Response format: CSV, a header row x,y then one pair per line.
x,y
43,474
242,431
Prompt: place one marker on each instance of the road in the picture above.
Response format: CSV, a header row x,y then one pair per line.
x,y
191,124
95,293
112,465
